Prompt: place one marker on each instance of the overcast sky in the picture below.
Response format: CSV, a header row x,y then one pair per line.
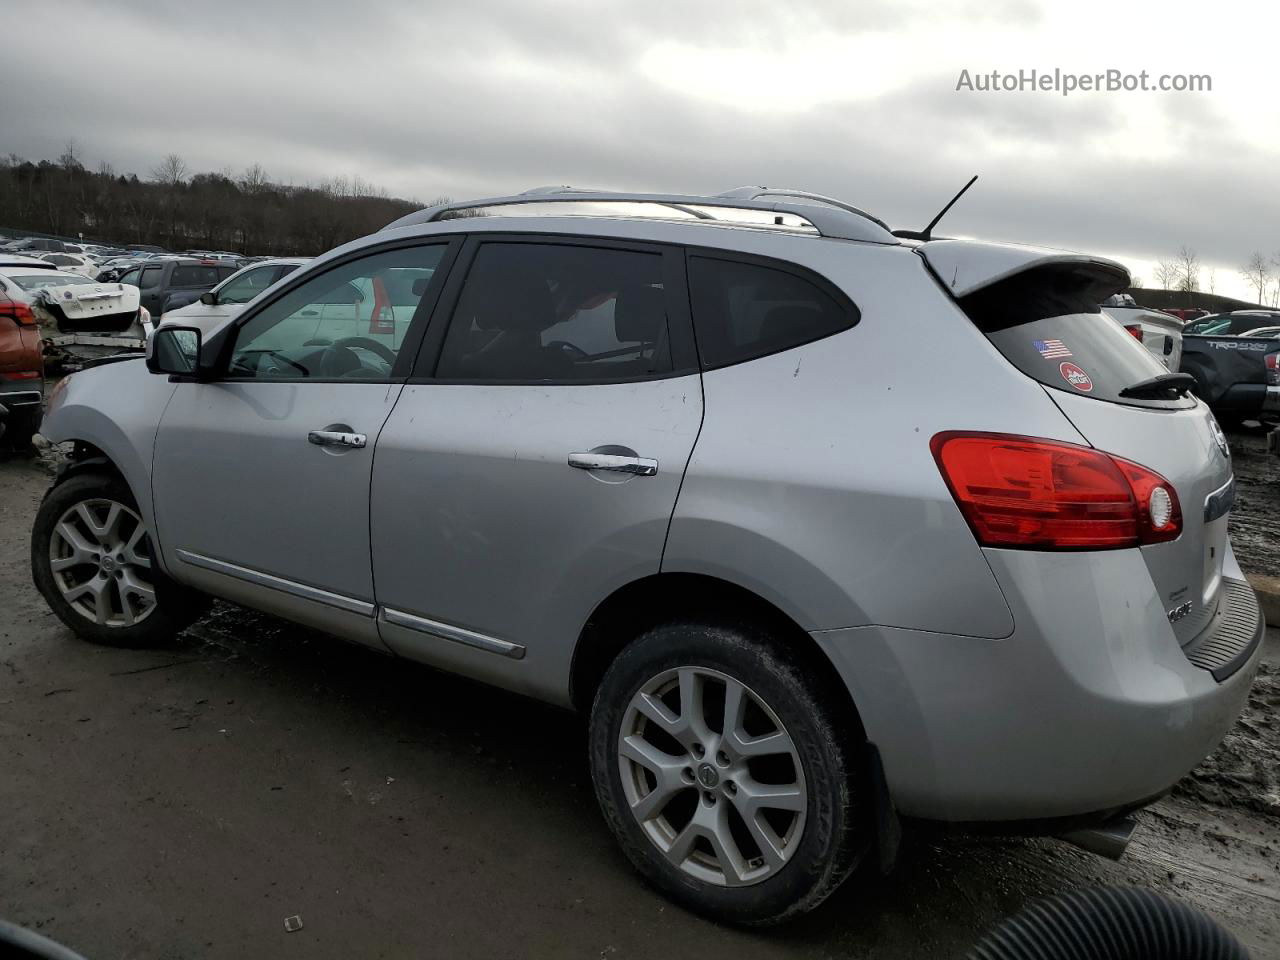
x,y
856,99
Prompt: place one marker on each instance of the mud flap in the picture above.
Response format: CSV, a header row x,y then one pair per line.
x,y
888,827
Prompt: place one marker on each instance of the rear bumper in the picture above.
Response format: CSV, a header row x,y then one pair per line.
x,y
1091,705
20,393
1249,398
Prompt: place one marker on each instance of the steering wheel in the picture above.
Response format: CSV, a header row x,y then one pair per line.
x,y
568,347
367,343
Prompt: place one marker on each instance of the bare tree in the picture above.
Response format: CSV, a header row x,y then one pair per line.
x,y
69,161
1257,274
1167,274
177,208
1188,266
1213,280
1135,280
254,179
171,171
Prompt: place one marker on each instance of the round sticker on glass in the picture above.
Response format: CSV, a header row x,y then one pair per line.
x,y
1076,377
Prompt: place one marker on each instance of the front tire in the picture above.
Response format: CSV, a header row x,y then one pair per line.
x,y
91,560
727,774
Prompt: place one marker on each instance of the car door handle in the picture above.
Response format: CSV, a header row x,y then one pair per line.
x,y
640,466
336,438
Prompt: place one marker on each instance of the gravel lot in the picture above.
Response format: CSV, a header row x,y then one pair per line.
x,y
183,803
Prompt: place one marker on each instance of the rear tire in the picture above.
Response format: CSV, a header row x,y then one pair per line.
x,y
91,560
682,786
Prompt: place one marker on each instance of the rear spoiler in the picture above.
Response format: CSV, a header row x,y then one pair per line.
x,y
967,266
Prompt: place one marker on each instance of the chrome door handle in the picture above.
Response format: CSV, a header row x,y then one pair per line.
x,y
336,438
640,466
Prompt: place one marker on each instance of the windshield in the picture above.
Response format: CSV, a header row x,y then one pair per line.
x,y
1207,326
35,281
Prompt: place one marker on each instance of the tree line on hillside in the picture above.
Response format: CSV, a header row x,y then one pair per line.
x,y
245,212
1182,272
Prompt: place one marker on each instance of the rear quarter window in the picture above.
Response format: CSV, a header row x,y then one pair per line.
x,y
743,310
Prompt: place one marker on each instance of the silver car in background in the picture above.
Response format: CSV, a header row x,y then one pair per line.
x,y
817,525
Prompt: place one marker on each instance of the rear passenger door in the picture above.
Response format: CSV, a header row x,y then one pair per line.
x,y
533,460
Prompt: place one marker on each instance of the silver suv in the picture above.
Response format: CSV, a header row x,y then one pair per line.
x,y
817,524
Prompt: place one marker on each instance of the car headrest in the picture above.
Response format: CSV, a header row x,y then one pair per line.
x,y
638,314
522,302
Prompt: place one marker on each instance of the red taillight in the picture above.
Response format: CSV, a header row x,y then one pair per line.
x,y
1273,369
1135,330
21,375
1046,495
17,311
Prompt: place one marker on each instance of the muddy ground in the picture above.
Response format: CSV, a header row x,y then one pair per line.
x,y
183,803
1255,519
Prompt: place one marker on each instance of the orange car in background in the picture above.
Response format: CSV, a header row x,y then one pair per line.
x,y
21,370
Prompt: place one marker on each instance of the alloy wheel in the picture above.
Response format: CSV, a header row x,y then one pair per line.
x,y
100,557
712,776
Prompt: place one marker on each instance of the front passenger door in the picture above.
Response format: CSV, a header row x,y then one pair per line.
x,y
261,478
533,468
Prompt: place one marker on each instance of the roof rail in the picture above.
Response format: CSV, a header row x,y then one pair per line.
x,y
830,218
755,193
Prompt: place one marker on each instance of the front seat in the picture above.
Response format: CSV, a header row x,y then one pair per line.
x,y
517,312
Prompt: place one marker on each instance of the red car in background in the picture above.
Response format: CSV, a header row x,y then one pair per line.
x,y
21,368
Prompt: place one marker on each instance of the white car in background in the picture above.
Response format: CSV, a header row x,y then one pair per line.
x,y
230,296
1160,333
80,319
72,263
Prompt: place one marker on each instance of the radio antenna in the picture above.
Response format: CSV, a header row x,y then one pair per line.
x,y
927,233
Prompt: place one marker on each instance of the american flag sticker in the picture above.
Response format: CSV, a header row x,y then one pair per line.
x,y
1051,349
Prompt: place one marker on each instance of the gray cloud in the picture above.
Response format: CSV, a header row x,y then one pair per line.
x,y
492,97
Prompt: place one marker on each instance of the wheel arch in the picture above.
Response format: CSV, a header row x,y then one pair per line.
x,y
633,608
87,458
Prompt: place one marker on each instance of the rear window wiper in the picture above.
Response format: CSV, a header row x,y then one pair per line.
x,y
1164,386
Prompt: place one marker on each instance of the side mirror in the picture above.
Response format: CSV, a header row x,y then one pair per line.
x,y
174,350
209,298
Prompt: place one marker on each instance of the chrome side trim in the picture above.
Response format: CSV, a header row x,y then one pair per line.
x,y
444,631
350,604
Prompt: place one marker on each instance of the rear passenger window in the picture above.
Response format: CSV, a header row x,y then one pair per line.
x,y
194,277
746,310
558,312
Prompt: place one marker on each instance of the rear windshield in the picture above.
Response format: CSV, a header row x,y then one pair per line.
x,y
190,276
34,281
1045,325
